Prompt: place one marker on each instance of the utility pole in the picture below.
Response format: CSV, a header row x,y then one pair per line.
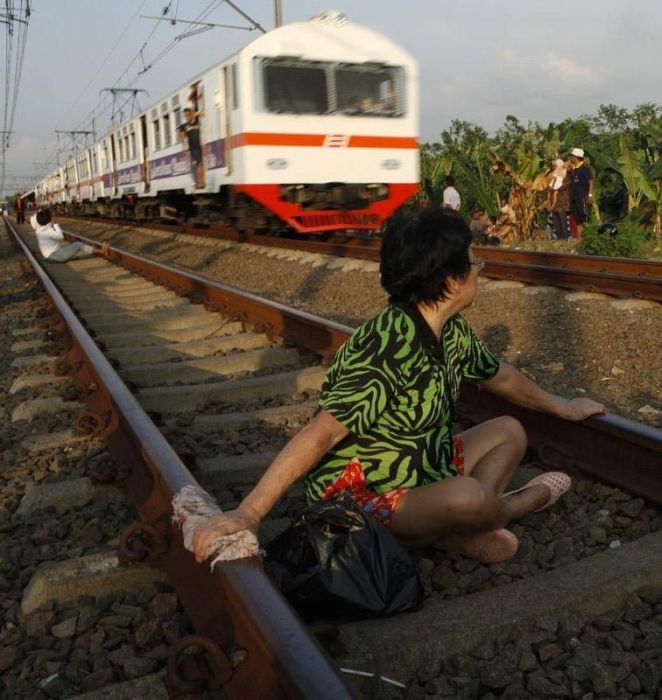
x,y
278,13
4,135
12,15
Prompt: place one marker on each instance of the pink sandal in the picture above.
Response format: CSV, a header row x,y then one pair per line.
x,y
557,483
489,547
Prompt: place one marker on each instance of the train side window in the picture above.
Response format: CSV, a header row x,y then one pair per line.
x,y
176,112
157,134
167,134
234,84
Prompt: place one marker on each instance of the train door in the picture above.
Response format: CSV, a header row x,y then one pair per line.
x,y
145,151
91,172
113,155
226,127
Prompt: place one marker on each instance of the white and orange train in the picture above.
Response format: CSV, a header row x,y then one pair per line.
x,y
312,126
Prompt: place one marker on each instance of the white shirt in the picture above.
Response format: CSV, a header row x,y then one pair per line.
x,y
48,236
451,198
556,182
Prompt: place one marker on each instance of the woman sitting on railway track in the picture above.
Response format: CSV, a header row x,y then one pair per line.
x,y
387,408
50,236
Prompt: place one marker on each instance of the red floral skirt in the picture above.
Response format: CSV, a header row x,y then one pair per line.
x,y
380,506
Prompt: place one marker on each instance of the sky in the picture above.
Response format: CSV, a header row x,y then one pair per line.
x,y
479,60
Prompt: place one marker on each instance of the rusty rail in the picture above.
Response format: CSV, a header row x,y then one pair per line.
x,y
611,448
617,276
235,610
258,647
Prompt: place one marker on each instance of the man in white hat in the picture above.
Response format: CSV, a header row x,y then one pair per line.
x,y
581,188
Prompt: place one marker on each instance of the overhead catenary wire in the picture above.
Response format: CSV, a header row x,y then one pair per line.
x,y
106,101
140,54
128,79
106,59
16,20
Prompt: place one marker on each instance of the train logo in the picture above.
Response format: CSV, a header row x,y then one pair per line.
x,y
336,141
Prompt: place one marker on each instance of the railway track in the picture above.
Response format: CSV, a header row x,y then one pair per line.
x,y
220,393
640,279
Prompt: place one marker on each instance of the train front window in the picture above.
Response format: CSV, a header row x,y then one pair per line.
x,y
295,89
368,90
295,86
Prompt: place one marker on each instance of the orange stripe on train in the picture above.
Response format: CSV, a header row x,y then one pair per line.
x,y
318,140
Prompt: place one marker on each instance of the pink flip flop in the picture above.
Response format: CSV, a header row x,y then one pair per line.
x,y
489,547
557,483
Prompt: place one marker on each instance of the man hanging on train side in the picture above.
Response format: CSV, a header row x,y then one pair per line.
x,y
189,134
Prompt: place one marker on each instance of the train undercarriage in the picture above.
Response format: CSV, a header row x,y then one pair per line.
x,y
268,209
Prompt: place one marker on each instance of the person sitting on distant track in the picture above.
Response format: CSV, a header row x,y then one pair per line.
x,y
387,407
478,225
49,234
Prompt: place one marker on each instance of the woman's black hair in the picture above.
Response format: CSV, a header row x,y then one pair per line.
x,y
420,252
43,217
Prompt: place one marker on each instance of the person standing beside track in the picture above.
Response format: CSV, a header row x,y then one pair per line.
x,y
49,235
20,209
451,197
559,199
581,189
387,407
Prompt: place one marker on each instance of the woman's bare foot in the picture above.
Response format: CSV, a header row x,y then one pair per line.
x,y
489,547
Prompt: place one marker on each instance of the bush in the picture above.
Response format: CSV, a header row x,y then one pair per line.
x,y
625,244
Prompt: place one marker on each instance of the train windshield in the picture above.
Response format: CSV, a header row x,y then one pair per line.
x,y
293,86
369,90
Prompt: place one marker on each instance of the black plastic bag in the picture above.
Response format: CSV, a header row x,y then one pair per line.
x,y
337,563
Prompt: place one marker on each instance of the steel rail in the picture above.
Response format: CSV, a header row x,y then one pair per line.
x,y
259,642
616,276
611,448
641,287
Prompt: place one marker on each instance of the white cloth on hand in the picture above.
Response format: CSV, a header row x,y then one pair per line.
x,y
193,507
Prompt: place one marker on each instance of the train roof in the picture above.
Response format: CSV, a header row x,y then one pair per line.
x,y
328,36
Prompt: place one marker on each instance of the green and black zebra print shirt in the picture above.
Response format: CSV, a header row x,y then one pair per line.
x,y
394,385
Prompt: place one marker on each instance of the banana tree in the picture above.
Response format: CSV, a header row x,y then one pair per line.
x,y
634,176
527,181
642,181
475,173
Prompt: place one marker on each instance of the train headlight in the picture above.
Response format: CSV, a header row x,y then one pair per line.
x,y
277,163
391,164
